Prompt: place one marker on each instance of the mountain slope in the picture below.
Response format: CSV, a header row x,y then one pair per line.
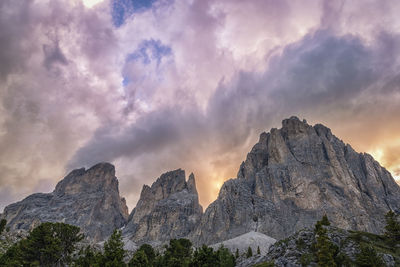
x,y
243,242
291,178
85,198
168,209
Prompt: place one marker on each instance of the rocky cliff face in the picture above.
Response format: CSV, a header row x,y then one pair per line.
x,y
168,209
291,178
85,198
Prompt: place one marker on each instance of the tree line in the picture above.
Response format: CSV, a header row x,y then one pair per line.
x,y
56,244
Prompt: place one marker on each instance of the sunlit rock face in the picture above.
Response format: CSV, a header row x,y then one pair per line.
x,y
168,209
85,198
291,178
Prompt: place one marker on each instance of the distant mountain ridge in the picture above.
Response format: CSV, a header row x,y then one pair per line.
x,y
290,178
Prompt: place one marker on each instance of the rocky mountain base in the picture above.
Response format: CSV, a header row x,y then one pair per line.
x,y
299,249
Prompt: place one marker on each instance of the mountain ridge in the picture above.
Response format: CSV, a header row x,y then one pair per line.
x,y
290,178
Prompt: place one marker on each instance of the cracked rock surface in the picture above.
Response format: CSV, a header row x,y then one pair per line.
x,y
86,198
291,178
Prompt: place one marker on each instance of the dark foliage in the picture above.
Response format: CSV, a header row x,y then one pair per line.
x,y
249,252
392,228
368,257
3,223
49,244
113,251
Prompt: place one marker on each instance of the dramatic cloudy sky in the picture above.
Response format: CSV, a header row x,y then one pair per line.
x,y
158,85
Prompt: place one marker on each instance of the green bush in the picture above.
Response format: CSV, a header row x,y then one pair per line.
x,y
265,264
306,259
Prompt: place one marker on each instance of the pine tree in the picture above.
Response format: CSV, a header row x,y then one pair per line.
x,y
114,251
177,253
49,244
249,252
325,248
368,257
325,221
3,223
204,256
87,257
225,257
392,228
237,253
148,251
258,250
139,259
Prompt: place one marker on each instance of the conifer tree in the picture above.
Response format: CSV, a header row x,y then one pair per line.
x,y
49,244
3,223
225,257
368,257
258,250
114,251
325,221
139,259
392,228
249,252
325,248
87,257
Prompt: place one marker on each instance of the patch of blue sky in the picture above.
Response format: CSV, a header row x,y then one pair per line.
x,y
150,50
126,80
122,9
147,52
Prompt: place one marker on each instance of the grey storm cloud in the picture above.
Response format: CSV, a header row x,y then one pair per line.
x,y
313,74
320,74
63,104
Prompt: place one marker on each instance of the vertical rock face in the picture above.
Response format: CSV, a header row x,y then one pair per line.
x,y
291,178
168,209
85,198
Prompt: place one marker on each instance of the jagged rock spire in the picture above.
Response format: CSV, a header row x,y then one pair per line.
x,y
168,209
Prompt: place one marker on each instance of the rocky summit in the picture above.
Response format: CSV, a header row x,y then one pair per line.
x,y
291,178
85,198
168,209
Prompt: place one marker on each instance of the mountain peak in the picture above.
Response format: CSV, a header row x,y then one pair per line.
x,y
292,177
168,209
99,177
86,198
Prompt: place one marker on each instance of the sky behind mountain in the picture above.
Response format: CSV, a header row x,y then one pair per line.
x,y
158,85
